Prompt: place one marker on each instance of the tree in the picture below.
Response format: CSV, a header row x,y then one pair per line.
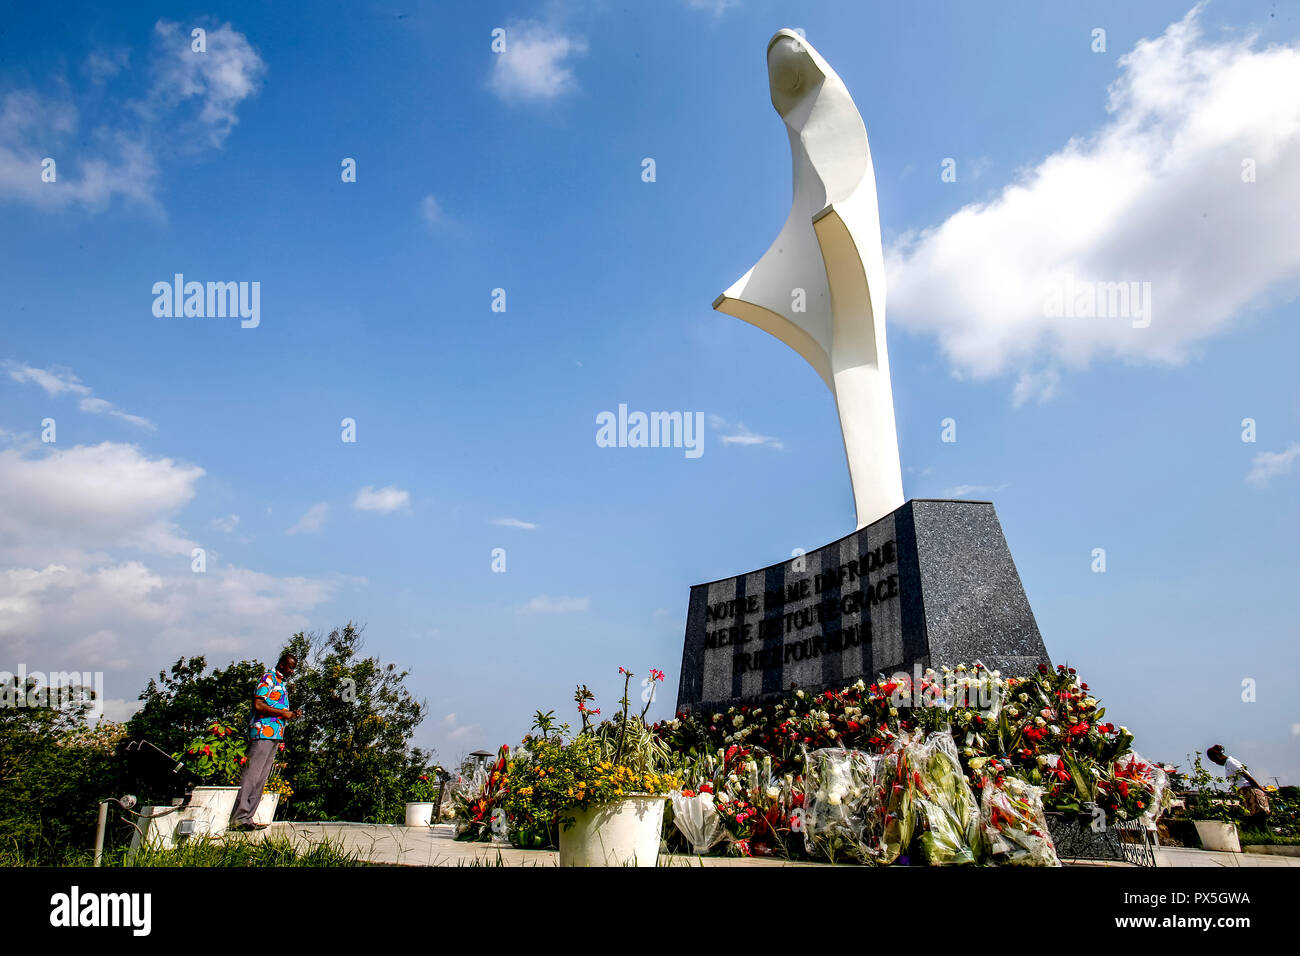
x,y
54,770
181,706
349,756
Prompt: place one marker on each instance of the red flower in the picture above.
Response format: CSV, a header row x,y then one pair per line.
x,y
1079,729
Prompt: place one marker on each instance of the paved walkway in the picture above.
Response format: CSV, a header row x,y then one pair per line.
x,y
435,846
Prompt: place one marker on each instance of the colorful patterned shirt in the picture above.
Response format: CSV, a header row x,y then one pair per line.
x,y
271,690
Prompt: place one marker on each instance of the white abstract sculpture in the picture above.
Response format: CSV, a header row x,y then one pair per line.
x,y
820,287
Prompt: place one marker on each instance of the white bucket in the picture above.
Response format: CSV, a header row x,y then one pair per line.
x,y
625,833
419,814
1217,835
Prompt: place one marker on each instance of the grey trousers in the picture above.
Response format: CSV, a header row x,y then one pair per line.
x,y
261,757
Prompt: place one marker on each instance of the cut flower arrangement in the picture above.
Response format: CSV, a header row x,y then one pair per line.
x,y
959,769
557,771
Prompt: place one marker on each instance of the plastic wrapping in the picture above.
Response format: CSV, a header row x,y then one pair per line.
x,y
841,805
890,828
697,818
1013,825
945,805
1155,778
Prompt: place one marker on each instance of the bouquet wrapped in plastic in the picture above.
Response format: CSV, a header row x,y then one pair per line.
x,y
1154,779
840,805
697,817
946,808
890,828
1013,824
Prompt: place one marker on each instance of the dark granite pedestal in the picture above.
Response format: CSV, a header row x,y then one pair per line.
x,y
931,584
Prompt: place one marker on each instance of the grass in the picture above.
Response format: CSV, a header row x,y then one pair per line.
x,y
204,852
1266,838
271,851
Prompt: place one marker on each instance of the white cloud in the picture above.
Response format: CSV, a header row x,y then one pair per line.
x,y
385,499
716,7
534,65
544,604
740,435
313,519
226,524
213,83
190,105
91,497
96,575
456,731
56,381
431,212
119,710
1155,195
514,523
965,491
1268,465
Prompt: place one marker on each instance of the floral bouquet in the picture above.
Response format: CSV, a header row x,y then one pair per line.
x,y
841,805
946,807
475,806
1144,785
695,814
1013,824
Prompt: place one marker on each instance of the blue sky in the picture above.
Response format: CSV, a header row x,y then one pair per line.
x,y
476,428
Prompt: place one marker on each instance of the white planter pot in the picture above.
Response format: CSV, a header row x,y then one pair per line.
x,y
625,833
419,814
265,812
211,807
1217,835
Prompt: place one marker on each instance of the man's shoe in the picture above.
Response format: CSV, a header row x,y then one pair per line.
x,y
241,827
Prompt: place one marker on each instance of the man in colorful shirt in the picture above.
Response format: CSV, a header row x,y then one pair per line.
x,y
265,738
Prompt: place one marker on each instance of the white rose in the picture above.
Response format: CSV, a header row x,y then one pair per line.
x,y
773,792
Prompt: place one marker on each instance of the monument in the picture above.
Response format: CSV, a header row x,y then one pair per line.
x,y
919,583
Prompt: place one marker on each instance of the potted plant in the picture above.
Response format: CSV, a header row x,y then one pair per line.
x,y
419,808
218,758
1210,812
277,791
603,789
